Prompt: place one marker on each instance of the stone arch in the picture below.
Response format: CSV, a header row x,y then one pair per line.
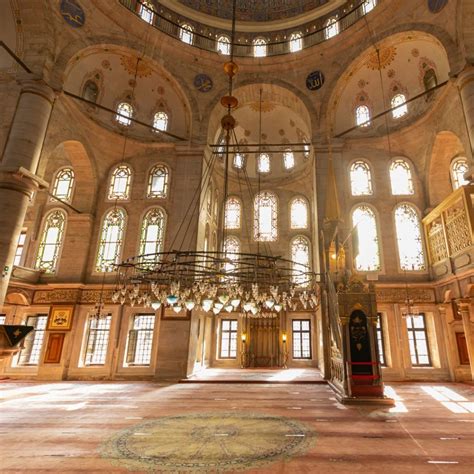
x,y
18,297
73,153
447,145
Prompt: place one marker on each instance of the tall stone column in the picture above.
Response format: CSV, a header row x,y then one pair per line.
x,y
466,89
466,308
18,180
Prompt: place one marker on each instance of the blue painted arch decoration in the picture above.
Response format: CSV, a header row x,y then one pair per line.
x,y
72,13
436,6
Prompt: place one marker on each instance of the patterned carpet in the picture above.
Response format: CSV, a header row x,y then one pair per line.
x,y
209,442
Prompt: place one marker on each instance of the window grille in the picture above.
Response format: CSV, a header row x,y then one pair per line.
x,y
399,106
51,241
459,168
401,179
263,163
363,116
152,235
223,45
63,184
160,122
299,213
265,217
288,160
259,48
111,240
140,340
296,42
368,251
98,333
361,179
228,339
124,114
300,256
418,340
30,354
158,182
233,211
301,338
119,188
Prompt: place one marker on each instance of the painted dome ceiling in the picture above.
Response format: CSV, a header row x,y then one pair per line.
x,y
255,10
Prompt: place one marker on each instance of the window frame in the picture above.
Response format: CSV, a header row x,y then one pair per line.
x,y
331,28
409,165
22,256
59,244
370,174
239,202
367,123
227,44
149,341
87,335
309,266
264,173
296,37
260,42
233,333
111,184
120,120
398,109
426,339
33,334
274,217
453,178
167,120
308,219
145,6
190,31
300,332
166,186
380,339
71,187
142,234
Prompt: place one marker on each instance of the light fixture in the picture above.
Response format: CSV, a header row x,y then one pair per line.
x,y
253,284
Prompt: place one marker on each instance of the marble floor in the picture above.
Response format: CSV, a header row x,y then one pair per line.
x,y
107,427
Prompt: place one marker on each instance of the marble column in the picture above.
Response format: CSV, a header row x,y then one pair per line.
x,y
466,308
466,89
18,166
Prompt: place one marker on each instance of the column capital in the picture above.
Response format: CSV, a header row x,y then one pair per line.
x,y
31,85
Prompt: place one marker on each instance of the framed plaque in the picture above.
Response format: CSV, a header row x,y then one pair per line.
x,y
60,318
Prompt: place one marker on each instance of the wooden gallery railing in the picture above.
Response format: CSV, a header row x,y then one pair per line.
x,y
449,232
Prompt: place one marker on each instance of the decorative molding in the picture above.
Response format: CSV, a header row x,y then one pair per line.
x,y
399,295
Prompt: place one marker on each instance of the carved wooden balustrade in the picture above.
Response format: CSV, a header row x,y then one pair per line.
x,y
449,233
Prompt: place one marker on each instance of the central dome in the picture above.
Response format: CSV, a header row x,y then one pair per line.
x,y
255,10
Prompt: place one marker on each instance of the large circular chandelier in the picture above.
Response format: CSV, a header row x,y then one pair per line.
x,y
253,284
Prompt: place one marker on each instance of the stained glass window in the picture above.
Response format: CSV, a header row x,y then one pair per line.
x,y
367,252
124,114
361,179
111,240
400,178
410,245
288,160
120,183
20,248
233,210
301,329
299,213
332,28
259,48
363,116
418,340
300,256
231,249
263,165
399,106
146,12
97,340
63,184
51,241
296,42
368,6
265,217
228,339
152,235
140,340
186,34
158,182
459,167
30,354
239,161
223,45
160,121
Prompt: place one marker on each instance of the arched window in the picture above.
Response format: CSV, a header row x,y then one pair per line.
x,y
146,12
367,251
111,240
299,213
399,106
459,167
361,179
120,183
158,182
51,241
259,48
296,42
223,45
368,6
288,160
160,122
64,184
430,80
263,165
265,217
401,179
90,91
363,116
231,250
152,235
239,161
233,211
124,114
332,28
186,34
410,245
300,256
